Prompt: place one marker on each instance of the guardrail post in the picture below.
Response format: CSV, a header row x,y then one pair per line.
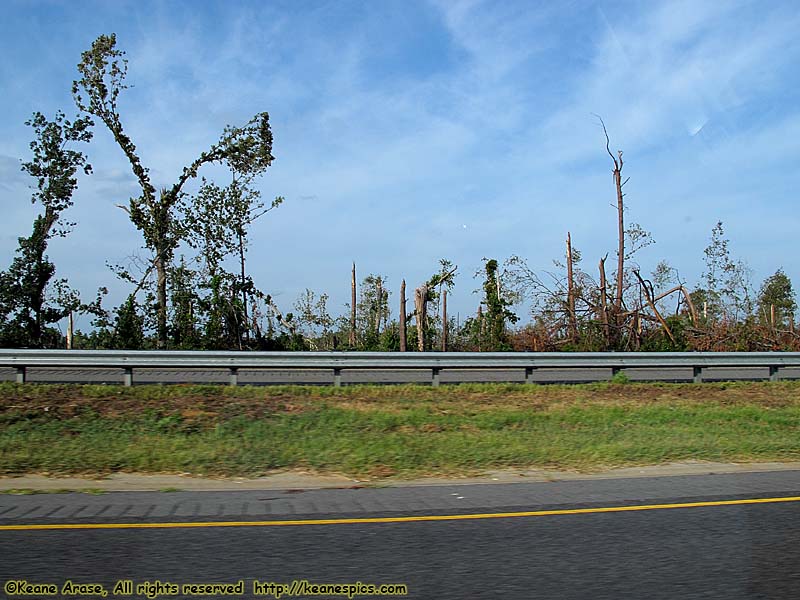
x,y
20,374
529,374
614,371
127,377
233,376
774,375
337,377
435,377
697,374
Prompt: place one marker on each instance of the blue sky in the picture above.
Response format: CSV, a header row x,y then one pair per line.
x,y
410,131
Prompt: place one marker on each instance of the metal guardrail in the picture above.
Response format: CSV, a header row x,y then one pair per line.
x,y
436,362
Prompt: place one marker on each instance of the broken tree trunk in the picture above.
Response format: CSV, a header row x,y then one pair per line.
x,y
618,183
444,321
621,232
403,316
481,328
353,308
70,326
652,305
573,321
686,297
603,308
421,308
287,323
161,297
379,312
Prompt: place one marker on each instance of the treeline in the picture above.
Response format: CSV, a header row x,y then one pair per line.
x,y
192,289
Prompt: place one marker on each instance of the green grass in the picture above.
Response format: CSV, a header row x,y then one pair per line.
x,y
381,431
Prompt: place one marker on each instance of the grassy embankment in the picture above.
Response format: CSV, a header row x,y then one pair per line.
x,y
390,430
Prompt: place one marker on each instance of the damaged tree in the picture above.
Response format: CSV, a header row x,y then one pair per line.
x,y
247,150
353,307
427,292
403,341
572,317
613,328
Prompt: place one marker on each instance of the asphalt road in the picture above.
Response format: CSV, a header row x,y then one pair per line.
x,y
717,551
349,376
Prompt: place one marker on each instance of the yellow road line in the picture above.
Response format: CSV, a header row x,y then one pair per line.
x,y
506,515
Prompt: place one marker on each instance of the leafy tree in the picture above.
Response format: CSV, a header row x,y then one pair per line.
x,y
776,300
25,307
217,221
185,307
129,326
372,311
314,321
727,285
497,312
246,150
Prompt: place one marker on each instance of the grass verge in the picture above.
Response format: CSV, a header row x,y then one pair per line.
x,y
383,431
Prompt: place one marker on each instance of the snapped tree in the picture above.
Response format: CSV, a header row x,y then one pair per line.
x,y
426,293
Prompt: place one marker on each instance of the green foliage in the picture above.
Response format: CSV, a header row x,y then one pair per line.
x,y
372,312
184,308
657,340
26,309
216,219
390,338
55,164
620,378
129,326
727,285
23,305
777,294
445,278
494,336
